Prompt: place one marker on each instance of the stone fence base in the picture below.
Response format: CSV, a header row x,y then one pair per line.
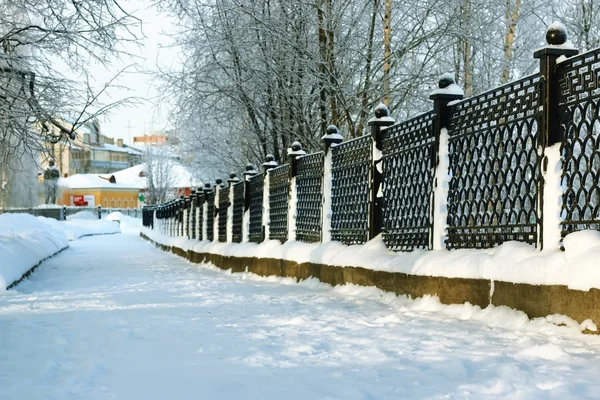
x,y
534,300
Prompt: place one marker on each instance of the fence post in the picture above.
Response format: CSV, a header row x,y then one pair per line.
x,y
293,153
382,119
447,91
232,179
63,215
267,165
99,212
549,126
331,138
248,173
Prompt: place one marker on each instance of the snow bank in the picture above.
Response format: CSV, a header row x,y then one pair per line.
x,y
74,229
515,262
492,316
26,240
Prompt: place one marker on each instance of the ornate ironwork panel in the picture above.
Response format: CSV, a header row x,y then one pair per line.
x,y
210,216
200,213
192,219
579,106
256,185
279,192
495,166
238,211
222,212
350,190
309,183
408,182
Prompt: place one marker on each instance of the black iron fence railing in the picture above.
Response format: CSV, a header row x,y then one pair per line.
x,y
471,173
409,166
279,185
580,123
238,212
222,213
494,141
309,181
256,190
350,190
210,215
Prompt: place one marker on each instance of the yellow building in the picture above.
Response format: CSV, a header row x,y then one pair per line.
x,y
91,190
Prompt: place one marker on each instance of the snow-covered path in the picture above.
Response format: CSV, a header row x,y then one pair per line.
x,y
113,317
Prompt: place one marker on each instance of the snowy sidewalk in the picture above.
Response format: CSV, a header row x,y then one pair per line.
x,y
114,318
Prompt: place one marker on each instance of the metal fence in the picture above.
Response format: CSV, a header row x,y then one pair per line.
x,y
210,215
75,213
256,189
495,166
279,187
238,212
309,181
222,213
579,106
350,190
409,165
387,181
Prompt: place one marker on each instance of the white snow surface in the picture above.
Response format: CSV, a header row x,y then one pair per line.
x,y
26,240
516,262
112,317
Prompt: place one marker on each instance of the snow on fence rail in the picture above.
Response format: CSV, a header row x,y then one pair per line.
x,y
74,213
517,163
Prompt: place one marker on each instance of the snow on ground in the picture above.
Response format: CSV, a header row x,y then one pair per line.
x,y
516,262
26,240
113,317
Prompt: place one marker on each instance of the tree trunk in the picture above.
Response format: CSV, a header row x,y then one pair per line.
x,y
511,19
387,38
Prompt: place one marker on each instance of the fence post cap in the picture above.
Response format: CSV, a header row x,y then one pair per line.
x,y
558,43
382,116
295,150
447,89
269,162
233,178
250,170
332,136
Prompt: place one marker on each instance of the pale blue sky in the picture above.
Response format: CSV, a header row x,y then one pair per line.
x,y
137,120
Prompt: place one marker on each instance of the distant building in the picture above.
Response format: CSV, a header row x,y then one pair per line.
x,y
121,189
91,190
91,152
156,139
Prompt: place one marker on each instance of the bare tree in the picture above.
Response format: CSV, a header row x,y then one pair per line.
x,y
47,47
158,170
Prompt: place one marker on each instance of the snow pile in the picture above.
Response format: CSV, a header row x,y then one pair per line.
x,y
25,241
515,262
141,323
76,228
126,223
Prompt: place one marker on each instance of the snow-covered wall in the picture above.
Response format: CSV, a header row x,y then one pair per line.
x,y
480,277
